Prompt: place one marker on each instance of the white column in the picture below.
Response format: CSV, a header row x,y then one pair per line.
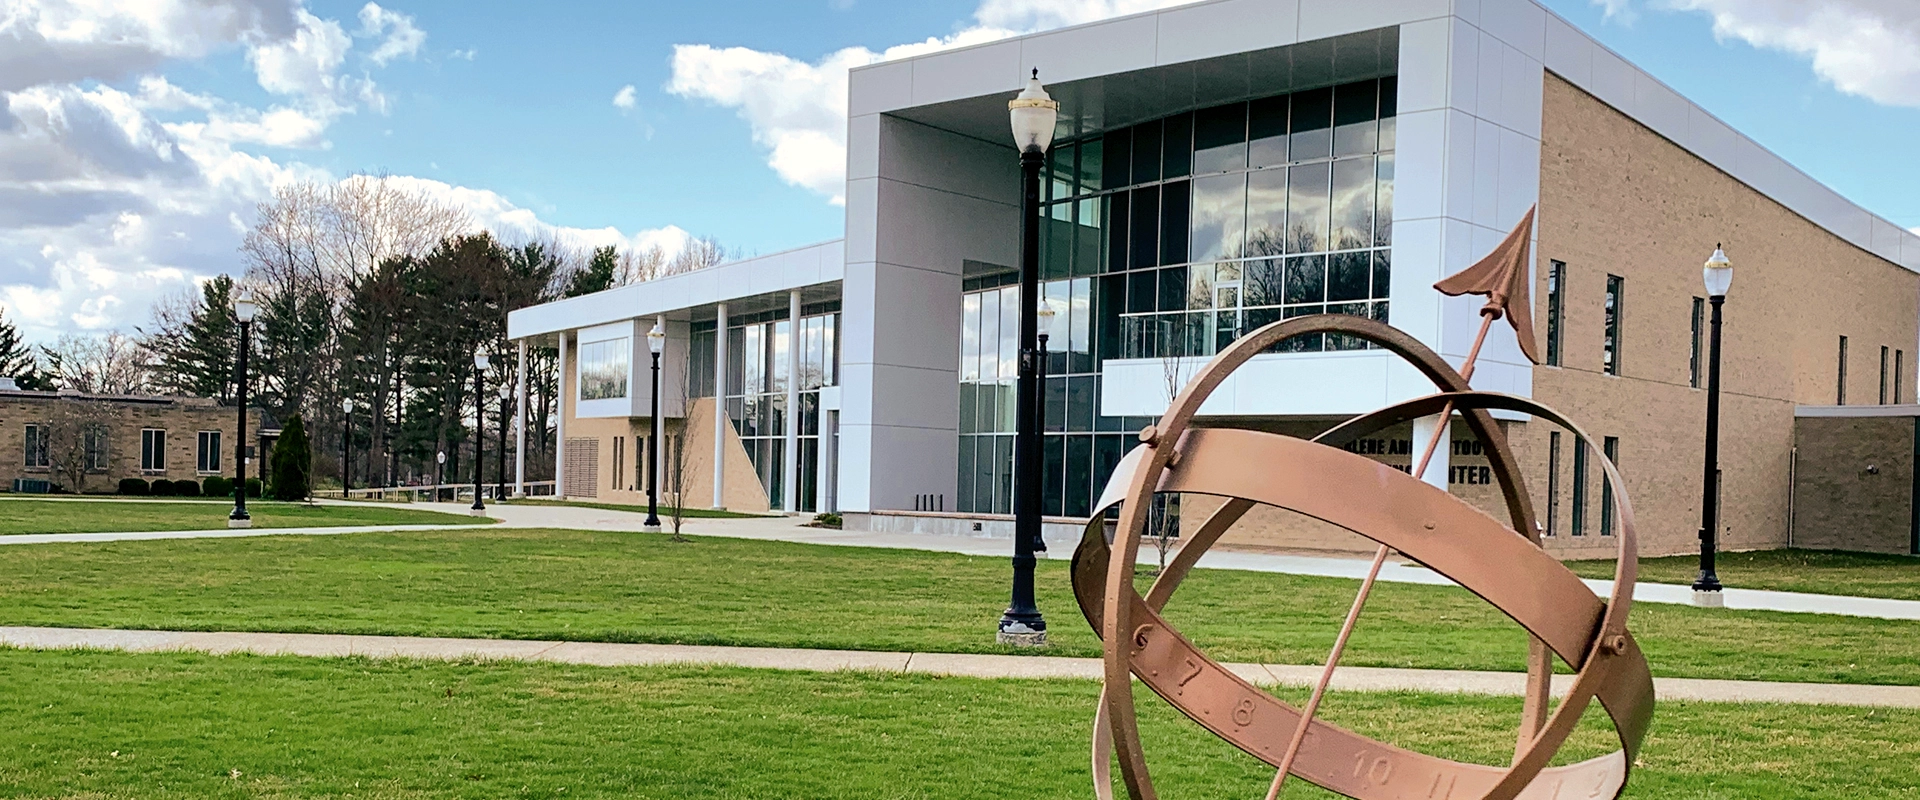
x,y
791,503
1423,429
520,423
655,444
560,422
720,422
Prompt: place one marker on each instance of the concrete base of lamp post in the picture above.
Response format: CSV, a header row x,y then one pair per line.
x,y
239,523
1022,637
519,495
650,528
476,512
1709,599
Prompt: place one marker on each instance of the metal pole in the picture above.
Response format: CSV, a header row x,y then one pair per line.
x,y
1709,482
239,517
500,456
479,439
790,460
652,522
560,421
346,466
520,424
720,420
1022,623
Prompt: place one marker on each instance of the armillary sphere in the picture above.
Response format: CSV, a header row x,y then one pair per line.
x,y
1503,564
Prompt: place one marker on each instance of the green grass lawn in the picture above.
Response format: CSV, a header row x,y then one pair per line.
x,y
199,726
1815,571
628,587
691,513
72,516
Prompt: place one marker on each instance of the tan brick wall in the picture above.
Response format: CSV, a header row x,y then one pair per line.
x,y
1618,199
181,418
1854,483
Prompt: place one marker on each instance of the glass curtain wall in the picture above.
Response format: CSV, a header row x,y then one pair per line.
x,y
1170,239
758,349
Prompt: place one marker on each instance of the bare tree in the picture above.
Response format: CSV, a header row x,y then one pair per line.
x,y
1163,521
371,218
110,363
76,440
675,456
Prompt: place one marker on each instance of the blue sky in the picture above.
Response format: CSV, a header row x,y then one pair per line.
x,y
510,108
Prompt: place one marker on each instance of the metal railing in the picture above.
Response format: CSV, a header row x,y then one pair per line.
x,y
445,492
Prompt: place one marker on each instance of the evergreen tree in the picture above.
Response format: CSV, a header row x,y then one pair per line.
x,y
294,352
291,465
599,274
18,359
198,359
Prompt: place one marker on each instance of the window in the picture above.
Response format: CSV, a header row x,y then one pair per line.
x,y
1883,375
619,445
94,446
1556,287
1840,388
1611,446
153,450
1580,489
1899,375
1610,342
1553,483
207,453
1693,361
603,368
36,449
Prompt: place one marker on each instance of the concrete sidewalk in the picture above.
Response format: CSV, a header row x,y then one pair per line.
x,y
795,529
1373,679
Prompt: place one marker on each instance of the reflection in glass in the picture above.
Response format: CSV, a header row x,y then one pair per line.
x,y
1348,276
1173,222
989,352
604,368
1261,282
1308,212
1177,146
1173,288
1353,191
1009,332
1117,231
1219,216
1145,226
1090,165
1383,194
1220,138
1312,125
1266,213
1141,292
1389,99
1382,274
1306,280
1267,132
1354,130
1200,287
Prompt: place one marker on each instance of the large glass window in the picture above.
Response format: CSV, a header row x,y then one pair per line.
x,y
94,448
762,349
36,447
1556,289
1693,354
603,368
1294,193
1611,447
153,450
1610,333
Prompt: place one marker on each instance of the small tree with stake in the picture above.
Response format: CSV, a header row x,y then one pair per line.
x,y
675,457
292,462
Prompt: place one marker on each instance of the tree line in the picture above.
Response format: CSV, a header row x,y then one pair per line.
x,y
369,291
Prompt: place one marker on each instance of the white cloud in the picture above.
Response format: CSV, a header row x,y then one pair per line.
x,y
1621,10
1869,48
464,55
797,110
304,66
402,39
625,97
61,41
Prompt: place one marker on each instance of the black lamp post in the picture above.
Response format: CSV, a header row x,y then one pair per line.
x,y
656,341
1032,114
500,453
479,507
1718,275
243,310
346,438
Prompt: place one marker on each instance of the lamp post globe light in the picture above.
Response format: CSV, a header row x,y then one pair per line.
x,y
1718,276
656,342
500,453
439,465
479,507
346,438
244,309
1032,114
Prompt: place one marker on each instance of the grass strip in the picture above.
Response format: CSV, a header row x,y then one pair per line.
x,y
61,516
1811,571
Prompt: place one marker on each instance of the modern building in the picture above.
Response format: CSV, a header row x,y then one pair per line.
x,y
79,442
1221,165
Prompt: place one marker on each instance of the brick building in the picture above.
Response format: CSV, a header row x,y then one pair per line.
x,y
114,437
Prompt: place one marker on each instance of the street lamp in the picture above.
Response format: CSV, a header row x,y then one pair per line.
x,y
656,341
1045,315
1718,276
439,477
500,454
479,507
1032,114
244,308
346,436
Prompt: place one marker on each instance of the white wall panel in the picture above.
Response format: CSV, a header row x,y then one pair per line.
x,y
1613,80
1659,107
1205,30
1320,19
863,146
1486,174
1519,23
1568,51
1426,42
967,72
1086,51
1519,178
1521,90
1711,139
880,87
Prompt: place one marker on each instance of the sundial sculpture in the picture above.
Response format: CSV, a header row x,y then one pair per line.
x,y
1501,563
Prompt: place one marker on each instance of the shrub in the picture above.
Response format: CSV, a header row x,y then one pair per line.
x,y
253,487
135,486
827,520
161,487
216,486
292,462
186,488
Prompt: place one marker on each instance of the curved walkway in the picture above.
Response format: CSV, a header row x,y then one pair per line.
x,y
795,529
957,664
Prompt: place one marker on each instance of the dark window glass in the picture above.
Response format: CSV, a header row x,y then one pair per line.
x,y
1382,274
1173,222
1840,392
1220,138
1173,288
1061,176
1117,216
1267,132
1553,484
1579,488
1899,373
1053,450
1257,318
1087,218
969,411
1082,400
1883,375
1090,156
1107,451
1610,342
1110,297
1141,292
1312,126
1117,150
1078,484
1145,227
1348,276
1055,396
1266,212
1354,123
1306,280
1611,447
1219,216
1556,289
1260,283
1389,100
1310,343
1353,191
1056,241
1176,152
1146,152
1693,355
1308,211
